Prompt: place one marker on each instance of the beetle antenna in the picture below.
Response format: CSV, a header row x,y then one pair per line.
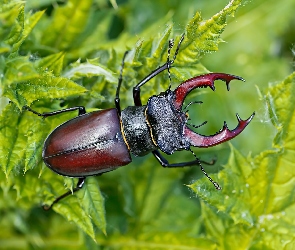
x,y
197,126
216,185
189,104
178,47
170,46
169,63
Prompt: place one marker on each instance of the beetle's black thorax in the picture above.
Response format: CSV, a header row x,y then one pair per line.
x,y
157,125
136,130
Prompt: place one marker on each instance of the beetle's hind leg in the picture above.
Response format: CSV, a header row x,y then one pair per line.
x,y
81,111
79,185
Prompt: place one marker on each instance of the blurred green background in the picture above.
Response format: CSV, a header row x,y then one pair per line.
x,y
258,46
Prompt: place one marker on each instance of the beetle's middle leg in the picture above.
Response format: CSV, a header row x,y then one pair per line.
x,y
167,65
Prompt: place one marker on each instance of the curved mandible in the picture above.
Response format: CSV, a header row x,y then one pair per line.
x,y
223,135
200,82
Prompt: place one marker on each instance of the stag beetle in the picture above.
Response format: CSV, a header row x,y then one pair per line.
x,y
101,141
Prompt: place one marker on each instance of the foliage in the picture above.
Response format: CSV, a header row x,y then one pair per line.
x,y
62,54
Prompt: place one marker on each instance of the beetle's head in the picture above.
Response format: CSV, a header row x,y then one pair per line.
x,y
202,81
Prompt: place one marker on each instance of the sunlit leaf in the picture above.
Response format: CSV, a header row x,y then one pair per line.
x,y
11,146
53,63
89,69
28,23
202,36
75,213
86,210
44,85
92,201
19,69
68,22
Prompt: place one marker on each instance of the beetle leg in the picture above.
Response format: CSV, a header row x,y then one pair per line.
x,y
136,89
167,65
164,162
81,111
80,184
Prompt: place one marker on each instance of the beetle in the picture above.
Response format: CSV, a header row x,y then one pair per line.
x,y
101,141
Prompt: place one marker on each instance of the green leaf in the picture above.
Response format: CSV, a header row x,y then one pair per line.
x,y
44,85
28,23
17,27
237,207
11,146
281,101
158,48
68,22
202,36
92,201
86,209
36,134
22,26
8,15
52,63
19,69
89,69
161,240
75,213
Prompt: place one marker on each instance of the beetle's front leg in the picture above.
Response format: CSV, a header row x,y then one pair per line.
x,y
136,89
167,65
